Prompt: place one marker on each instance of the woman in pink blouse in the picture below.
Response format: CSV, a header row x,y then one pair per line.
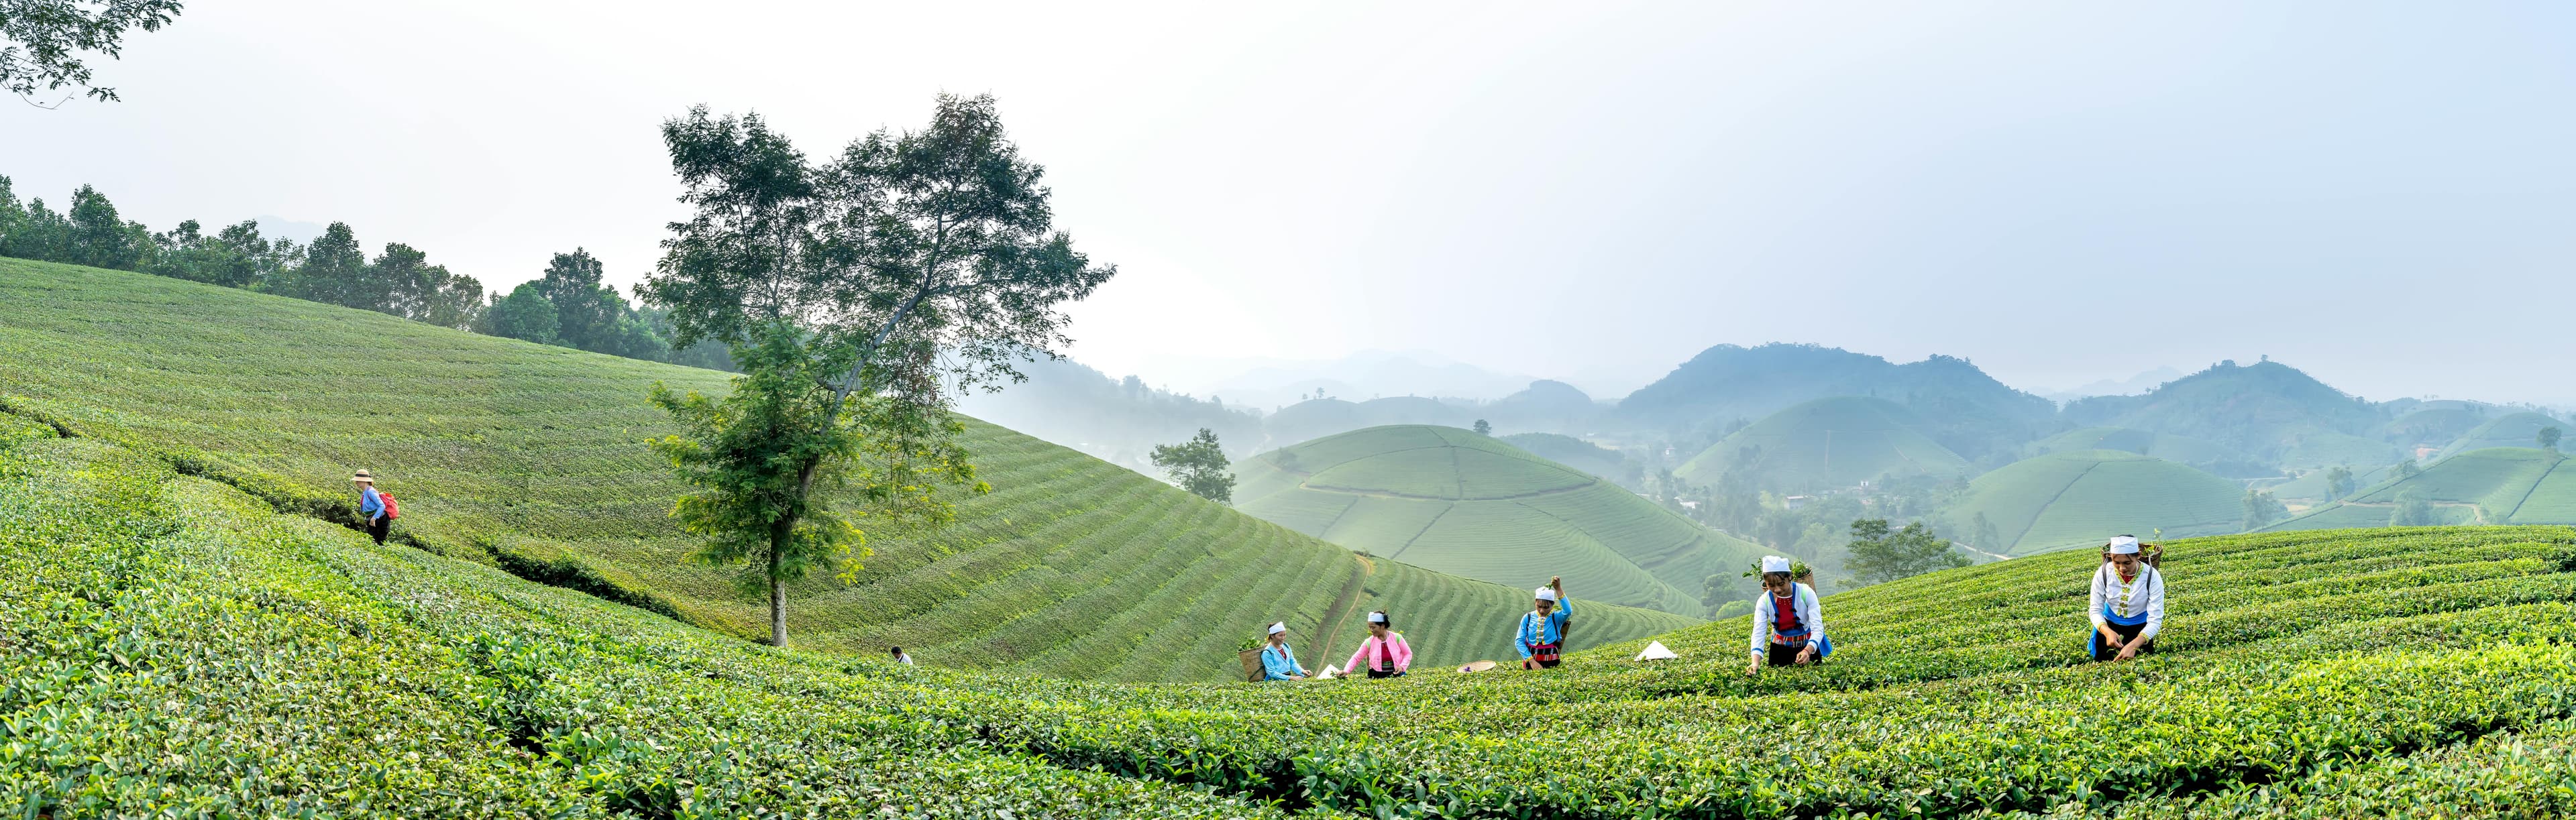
x,y
1384,650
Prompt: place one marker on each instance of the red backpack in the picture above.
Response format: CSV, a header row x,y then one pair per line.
x,y
392,511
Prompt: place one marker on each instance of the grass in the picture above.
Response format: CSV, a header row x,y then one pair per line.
x,y
177,647
1830,443
2497,485
1453,501
532,459
2069,499
1581,455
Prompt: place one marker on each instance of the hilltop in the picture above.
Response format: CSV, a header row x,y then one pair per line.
x,y
532,459
175,639
1457,502
2183,449
1829,444
2070,499
2269,411
1964,409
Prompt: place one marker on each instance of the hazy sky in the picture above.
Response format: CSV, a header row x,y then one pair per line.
x,y
2382,194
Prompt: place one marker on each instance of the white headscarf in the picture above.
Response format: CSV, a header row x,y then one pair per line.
x,y
2124,545
1774,563
1377,617
1278,627
1546,593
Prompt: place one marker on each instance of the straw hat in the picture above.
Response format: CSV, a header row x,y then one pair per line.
x,y
364,477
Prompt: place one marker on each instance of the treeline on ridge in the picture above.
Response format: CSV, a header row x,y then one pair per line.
x,y
570,306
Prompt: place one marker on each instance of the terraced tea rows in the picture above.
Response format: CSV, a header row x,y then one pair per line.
x,y
2500,485
2074,498
532,458
176,647
1466,504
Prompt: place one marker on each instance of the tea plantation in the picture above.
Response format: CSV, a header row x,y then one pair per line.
x,y
2073,498
1457,502
173,647
2498,485
532,459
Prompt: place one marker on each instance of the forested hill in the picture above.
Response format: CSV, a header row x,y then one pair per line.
x,y
1966,410
2268,411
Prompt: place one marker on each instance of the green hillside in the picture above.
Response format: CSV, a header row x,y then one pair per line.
x,y
2501,485
177,649
2070,499
1453,501
1581,455
2182,449
2510,430
2433,426
1829,443
2269,411
532,459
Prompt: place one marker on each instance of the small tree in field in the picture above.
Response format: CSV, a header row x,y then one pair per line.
x,y
1199,466
2262,509
855,295
2549,439
1484,429
2338,482
1879,555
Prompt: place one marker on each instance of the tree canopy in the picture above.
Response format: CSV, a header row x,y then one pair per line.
x,y
44,44
1199,466
1879,555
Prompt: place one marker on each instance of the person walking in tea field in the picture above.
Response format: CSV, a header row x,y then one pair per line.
x,y
2128,603
1385,651
1541,638
1787,626
1277,660
376,507
899,656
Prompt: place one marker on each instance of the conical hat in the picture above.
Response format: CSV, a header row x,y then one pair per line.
x,y
1478,666
1656,652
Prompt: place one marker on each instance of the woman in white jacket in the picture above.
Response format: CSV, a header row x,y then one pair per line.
x,y
1787,626
2128,603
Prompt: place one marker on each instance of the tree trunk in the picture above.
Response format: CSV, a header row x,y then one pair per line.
x,y
777,595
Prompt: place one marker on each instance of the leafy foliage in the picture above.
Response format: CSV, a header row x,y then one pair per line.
x,y
1199,466
1879,554
45,43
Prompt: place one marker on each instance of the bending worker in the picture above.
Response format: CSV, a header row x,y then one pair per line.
x,y
2128,606
1278,662
1388,655
1542,634
1787,626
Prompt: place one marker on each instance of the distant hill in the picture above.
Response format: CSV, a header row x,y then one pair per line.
x,y
1316,418
2071,499
1829,444
2269,411
2511,430
2497,485
1582,455
1963,408
2132,385
1115,420
1453,501
2434,427
1544,407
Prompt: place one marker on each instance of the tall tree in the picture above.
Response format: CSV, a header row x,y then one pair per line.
x,y
850,293
1199,466
1879,555
334,270
99,238
2261,509
2549,438
1988,537
13,216
525,315
43,43
1484,429
2414,509
2338,482
589,311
